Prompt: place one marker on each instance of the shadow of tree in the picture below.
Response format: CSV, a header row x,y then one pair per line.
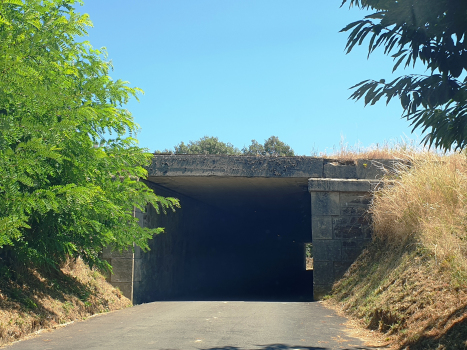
x,y
33,300
453,336
287,347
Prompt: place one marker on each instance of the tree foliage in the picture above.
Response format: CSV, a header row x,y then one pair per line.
x,y
211,145
271,147
69,163
206,145
432,32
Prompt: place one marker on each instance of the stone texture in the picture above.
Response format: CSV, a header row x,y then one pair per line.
x,y
351,249
340,268
122,270
338,185
374,168
321,227
321,290
345,227
125,287
109,253
235,166
354,203
323,273
325,203
326,250
335,170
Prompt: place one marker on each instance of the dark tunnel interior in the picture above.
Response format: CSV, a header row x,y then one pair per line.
x,y
233,239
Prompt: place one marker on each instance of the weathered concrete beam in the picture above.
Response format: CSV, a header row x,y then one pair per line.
x,y
341,185
235,166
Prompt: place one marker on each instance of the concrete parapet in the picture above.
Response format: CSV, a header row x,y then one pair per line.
x,y
235,166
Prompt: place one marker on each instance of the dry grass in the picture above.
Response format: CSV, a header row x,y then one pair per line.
x,y
427,206
402,150
31,300
410,284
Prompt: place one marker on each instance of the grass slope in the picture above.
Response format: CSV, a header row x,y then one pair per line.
x,y
31,300
411,282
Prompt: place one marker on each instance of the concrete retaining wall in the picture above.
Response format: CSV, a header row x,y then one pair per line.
x,y
340,227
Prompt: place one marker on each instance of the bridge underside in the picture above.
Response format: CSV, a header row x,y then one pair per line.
x,y
234,238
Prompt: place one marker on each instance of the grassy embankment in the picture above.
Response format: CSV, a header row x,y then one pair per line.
x,y
31,300
410,284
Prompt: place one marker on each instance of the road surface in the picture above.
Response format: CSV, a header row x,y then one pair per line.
x,y
202,325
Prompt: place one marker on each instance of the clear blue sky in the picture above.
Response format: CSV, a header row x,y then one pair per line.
x,y
243,70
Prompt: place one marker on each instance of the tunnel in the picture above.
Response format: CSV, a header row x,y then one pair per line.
x,y
234,238
244,225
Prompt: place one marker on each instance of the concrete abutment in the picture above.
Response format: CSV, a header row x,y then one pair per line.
x,y
243,226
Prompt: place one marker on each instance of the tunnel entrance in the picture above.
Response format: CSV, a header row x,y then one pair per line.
x,y
246,225
235,238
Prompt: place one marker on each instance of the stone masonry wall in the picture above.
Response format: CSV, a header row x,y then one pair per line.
x,y
340,227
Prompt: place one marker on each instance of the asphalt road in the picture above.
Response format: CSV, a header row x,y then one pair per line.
x,y
201,325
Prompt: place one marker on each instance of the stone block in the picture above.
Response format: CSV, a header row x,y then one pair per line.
x,y
374,168
340,268
125,288
321,290
323,272
321,227
339,171
326,250
339,185
354,203
351,249
109,252
122,270
325,203
345,227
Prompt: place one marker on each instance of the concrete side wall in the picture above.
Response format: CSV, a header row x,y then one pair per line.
x,y
164,271
340,228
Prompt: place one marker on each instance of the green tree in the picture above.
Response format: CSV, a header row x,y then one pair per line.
x,y
206,145
434,33
272,147
69,164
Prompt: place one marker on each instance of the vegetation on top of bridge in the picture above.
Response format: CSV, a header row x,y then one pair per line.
x,y
211,145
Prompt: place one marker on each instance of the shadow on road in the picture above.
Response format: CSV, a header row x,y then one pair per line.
x,y
270,299
287,347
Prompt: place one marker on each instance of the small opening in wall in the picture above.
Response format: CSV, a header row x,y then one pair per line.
x,y
309,256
